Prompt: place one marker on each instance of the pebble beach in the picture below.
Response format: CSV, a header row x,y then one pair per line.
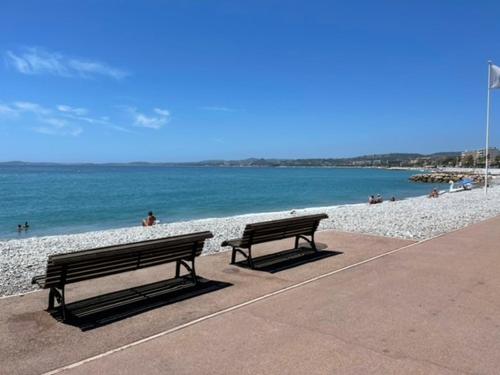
x,y
416,218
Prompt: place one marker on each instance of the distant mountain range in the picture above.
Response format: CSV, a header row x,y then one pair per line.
x,y
377,160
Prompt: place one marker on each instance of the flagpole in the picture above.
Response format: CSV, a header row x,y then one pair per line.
x,y
487,131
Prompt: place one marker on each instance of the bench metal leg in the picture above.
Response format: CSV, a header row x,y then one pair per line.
x,y
177,269
63,305
51,299
248,256
310,241
191,269
313,243
233,256
193,273
56,295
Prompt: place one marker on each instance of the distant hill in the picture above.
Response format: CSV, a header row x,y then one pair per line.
x,y
376,160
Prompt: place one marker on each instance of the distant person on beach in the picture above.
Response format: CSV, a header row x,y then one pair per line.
x,y
393,199
150,220
434,193
373,199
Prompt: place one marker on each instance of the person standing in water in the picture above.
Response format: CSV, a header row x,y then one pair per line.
x,y
150,220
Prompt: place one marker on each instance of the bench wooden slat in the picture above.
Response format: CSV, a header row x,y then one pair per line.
x,y
131,265
255,232
288,220
124,300
310,227
77,268
279,236
74,273
281,226
127,248
116,297
279,229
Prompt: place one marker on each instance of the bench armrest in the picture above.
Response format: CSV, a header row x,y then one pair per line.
x,y
235,242
38,280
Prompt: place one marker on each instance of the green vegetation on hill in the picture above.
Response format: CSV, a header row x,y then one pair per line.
x,y
379,160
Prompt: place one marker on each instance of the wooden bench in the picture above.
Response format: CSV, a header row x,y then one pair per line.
x,y
298,227
63,269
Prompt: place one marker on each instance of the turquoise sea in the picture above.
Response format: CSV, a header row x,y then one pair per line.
x,y
70,199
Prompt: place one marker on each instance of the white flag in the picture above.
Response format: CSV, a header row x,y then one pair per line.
x,y
494,77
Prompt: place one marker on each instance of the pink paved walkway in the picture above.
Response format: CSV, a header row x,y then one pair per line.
x,y
431,308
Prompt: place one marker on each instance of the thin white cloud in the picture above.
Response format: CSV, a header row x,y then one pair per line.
x,y
35,108
17,62
162,112
58,126
64,119
72,110
7,110
46,120
55,122
90,68
122,129
218,109
157,121
150,122
35,61
45,130
74,131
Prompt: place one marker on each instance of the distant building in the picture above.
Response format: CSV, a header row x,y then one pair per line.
x,y
420,161
493,152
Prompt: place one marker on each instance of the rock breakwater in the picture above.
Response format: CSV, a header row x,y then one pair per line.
x,y
446,177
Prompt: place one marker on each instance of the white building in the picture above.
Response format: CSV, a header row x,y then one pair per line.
x,y
493,152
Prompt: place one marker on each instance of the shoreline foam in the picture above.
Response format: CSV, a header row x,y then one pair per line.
x,y
414,218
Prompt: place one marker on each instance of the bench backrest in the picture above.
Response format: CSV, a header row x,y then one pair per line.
x,y
88,264
279,229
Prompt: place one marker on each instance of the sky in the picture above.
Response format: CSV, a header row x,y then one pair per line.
x,y
121,81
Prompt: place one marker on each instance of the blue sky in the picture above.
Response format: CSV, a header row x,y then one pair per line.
x,y
195,80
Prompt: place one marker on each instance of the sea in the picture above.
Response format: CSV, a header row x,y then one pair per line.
x,y
62,199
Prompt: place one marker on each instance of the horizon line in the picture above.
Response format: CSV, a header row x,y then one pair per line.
x,y
225,160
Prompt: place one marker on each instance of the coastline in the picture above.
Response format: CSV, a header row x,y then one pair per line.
x,y
416,218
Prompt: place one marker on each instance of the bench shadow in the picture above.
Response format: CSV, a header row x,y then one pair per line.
x,y
98,311
287,259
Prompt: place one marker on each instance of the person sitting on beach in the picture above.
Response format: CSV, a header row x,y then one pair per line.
x,y
393,199
371,200
434,193
379,199
150,220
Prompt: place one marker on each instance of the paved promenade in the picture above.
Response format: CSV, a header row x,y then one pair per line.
x,y
380,306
